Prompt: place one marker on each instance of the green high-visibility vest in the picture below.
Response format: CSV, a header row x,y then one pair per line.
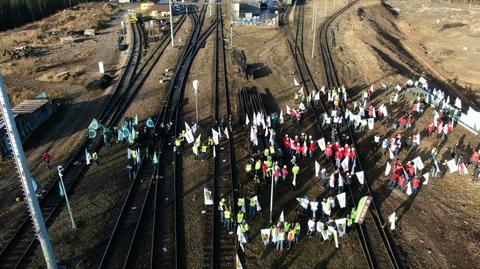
x,y
253,202
244,227
266,152
248,167
204,148
258,165
240,216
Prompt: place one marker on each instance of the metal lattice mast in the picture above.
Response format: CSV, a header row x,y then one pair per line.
x,y
26,178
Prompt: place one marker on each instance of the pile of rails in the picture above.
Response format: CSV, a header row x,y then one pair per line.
x,y
239,59
249,102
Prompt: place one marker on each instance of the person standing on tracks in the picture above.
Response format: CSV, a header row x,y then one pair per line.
x,y
297,230
240,217
244,229
221,207
228,219
241,204
253,205
281,238
248,168
204,151
95,158
47,158
129,169
291,238
195,149
284,173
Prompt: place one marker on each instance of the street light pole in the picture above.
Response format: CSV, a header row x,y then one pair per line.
x,y
271,199
171,22
60,174
26,178
326,8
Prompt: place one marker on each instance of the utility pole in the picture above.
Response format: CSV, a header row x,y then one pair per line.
x,y
26,178
210,8
60,174
171,22
313,13
271,200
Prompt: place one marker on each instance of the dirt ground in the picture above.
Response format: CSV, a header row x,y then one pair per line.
x,y
438,227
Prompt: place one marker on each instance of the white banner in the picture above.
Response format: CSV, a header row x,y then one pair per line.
x,y
321,144
388,169
426,176
409,189
215,135
418,163
247,120
321,229
344,164
281,218
265,234
295,82
189,134
341,226
259,208
303,202
361,177
371,122
317,169
452,165
342,199
207,196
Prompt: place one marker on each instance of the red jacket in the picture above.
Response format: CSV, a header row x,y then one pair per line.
x,y
402,121
339,154
410,119
328,150
312,147
336,146
475,157
401,180
416,182
352,154
47,156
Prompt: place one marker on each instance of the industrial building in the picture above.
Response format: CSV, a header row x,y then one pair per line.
x,y
29,115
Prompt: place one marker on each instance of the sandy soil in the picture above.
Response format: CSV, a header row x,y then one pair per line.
x,y
439,225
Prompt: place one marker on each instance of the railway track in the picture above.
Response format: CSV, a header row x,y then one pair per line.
x,y
378,253
20,248
220,246
21,244
148,230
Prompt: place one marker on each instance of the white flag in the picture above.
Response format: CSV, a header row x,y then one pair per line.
x,y
458,103
282,217
301,106
342,199
418,163
317,169
214,152
452,165
241,236
265,233
288,110
215,135
388,169
341,226
314,208
189,134
317,96
247,120
426,176
226,133
392,219
323,89
88,157
409,189
398,88
371,122
303,202
207,196
238,263
321,144
344,164
321,229
259,208
361,177
422,80
295,82
281,117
